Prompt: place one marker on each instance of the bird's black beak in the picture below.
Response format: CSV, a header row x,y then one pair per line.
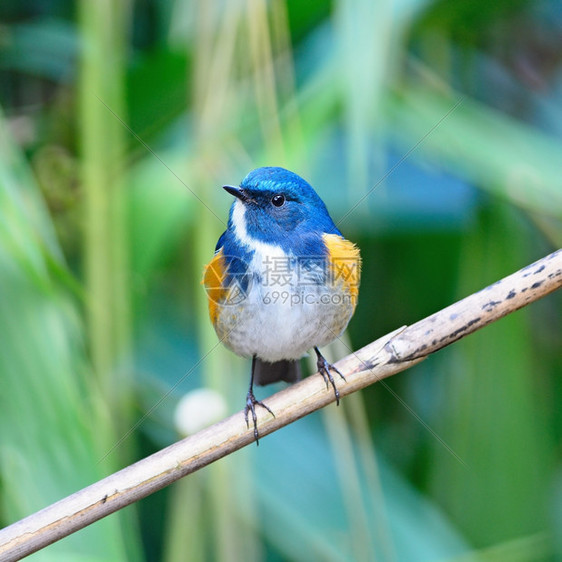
x,y
238,192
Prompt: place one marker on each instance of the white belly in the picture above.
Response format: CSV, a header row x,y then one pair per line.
x,y
283,318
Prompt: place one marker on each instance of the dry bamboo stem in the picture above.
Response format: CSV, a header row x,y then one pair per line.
x,y
382,358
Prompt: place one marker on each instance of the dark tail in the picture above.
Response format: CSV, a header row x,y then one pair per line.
x,y
267,373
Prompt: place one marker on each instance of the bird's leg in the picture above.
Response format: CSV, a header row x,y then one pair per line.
x,y
324,369
251,402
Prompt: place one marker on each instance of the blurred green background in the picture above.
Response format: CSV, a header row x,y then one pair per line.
x,y
120,121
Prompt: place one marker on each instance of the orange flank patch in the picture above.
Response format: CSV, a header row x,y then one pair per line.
x,y
345,263
213,278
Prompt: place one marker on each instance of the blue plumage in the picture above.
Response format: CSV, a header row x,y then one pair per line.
x,y
296,227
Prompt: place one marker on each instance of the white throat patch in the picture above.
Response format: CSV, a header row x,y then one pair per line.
x,y
239,223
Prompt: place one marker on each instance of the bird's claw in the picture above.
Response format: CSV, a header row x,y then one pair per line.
x,y
324,369
251,402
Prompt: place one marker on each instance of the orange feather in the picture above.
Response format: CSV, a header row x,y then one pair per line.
x,y
345,263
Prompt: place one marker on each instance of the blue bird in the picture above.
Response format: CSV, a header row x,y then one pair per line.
x,y
283,279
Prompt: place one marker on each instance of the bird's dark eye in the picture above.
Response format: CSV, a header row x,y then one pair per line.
x,y
278,200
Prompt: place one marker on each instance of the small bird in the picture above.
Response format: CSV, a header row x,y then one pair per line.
x,y
283,280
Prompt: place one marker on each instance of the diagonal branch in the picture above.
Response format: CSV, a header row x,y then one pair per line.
x,y
382,358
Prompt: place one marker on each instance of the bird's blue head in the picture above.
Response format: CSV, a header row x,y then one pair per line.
x,y
278,207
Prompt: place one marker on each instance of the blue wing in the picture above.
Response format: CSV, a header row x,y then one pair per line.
x,y
220,242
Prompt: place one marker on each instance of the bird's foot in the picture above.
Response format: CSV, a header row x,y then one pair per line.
x,y
324,369
251,402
